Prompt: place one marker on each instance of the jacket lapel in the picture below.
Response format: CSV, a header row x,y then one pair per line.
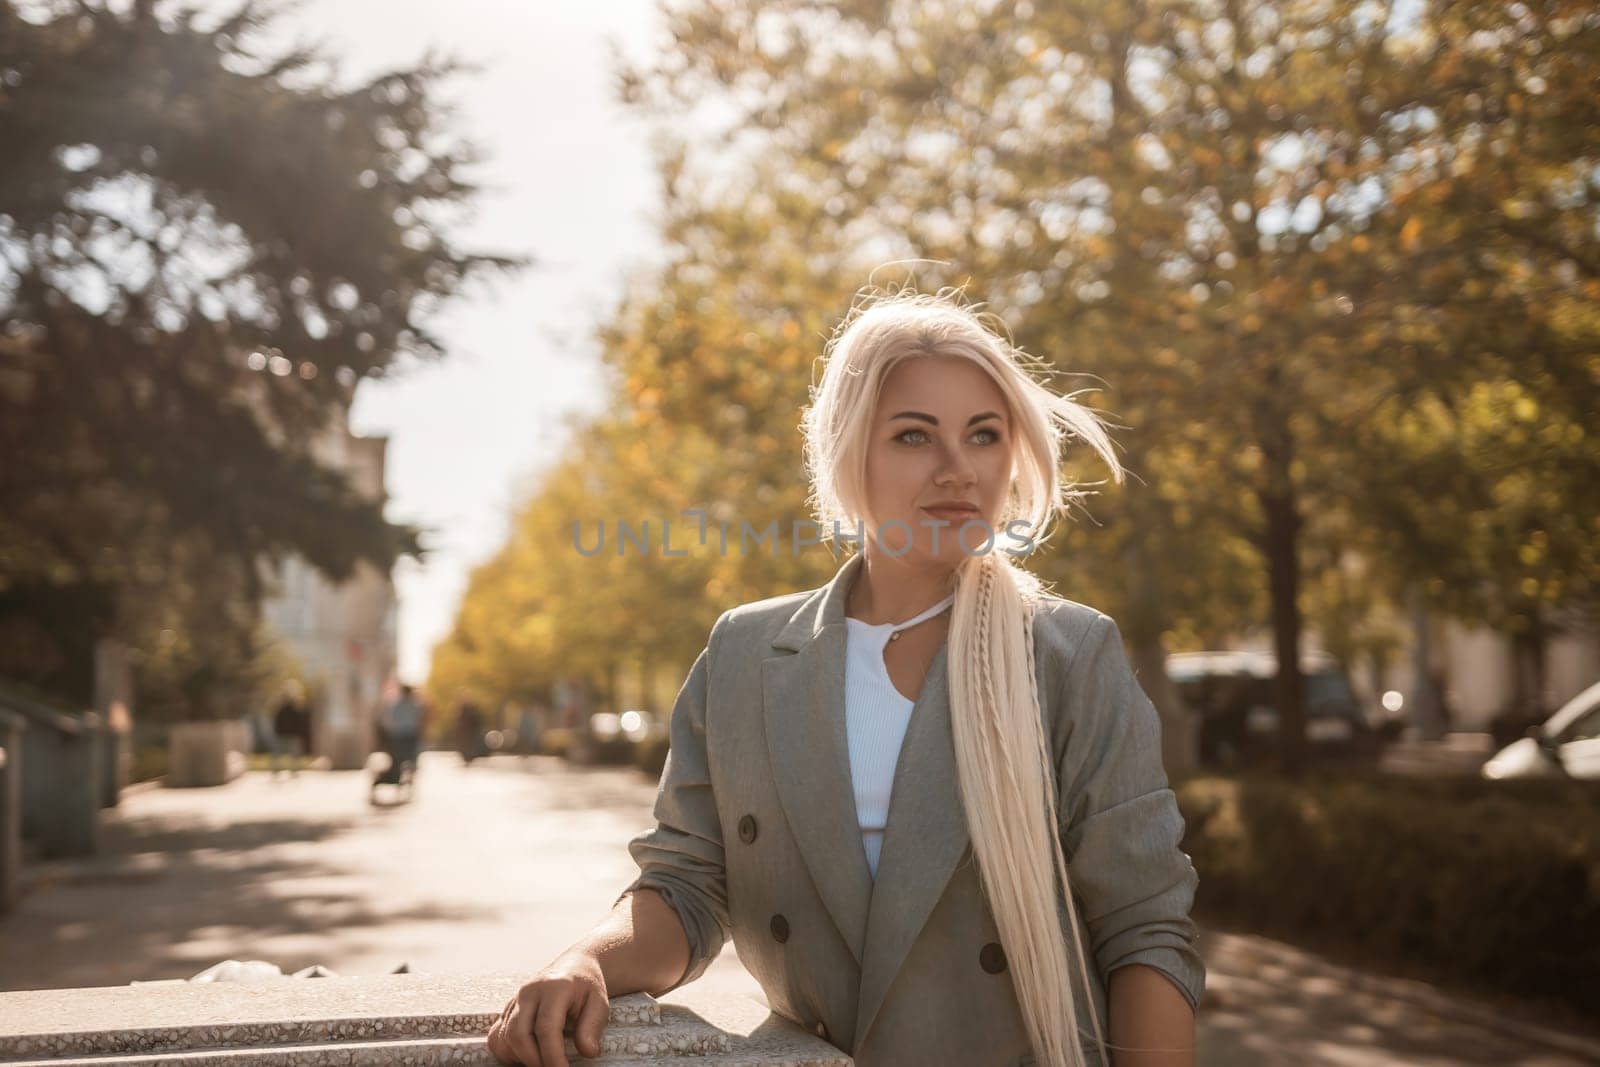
x,y
803,698
925,837
926,834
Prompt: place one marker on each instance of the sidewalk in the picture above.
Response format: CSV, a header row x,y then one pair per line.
x,y
498,868
1267,1003
1454,754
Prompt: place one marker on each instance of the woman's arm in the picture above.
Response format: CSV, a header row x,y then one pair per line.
x,y
663,930
1148,1012
1122,834
641,946
681,857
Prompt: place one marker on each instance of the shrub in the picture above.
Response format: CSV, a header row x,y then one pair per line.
x,y
1493,883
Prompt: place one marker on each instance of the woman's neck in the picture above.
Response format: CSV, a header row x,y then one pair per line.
x,y
887,590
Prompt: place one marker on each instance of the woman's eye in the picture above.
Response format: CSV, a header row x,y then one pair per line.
x,y
902,437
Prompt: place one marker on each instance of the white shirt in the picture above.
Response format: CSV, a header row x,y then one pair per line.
x,y
876,715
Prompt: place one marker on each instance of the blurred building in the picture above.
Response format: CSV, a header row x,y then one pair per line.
x,y
1481,668
343,634
1481,675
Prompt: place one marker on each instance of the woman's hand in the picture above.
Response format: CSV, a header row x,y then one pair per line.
x,y
530,1029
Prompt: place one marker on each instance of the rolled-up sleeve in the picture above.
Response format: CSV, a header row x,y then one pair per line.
x,y
1120,822
681,857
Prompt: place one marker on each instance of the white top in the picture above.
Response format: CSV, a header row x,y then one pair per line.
x,y
876,715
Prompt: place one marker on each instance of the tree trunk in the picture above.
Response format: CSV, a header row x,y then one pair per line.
x,y
1426,713
1281,547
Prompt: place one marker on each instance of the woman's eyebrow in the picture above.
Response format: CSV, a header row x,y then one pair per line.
x,y
925,417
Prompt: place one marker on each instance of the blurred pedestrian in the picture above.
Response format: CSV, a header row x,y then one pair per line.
x,y
470,725
291,729
528,731
400,735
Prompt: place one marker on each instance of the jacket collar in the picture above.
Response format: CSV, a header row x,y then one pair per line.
x,y
824,607
803,688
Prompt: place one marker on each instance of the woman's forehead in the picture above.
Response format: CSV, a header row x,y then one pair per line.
x,y
941,386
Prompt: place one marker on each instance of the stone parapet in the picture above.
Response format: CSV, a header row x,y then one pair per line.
x,y
396,1019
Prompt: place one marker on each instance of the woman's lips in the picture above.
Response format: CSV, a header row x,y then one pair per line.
x,y
953,514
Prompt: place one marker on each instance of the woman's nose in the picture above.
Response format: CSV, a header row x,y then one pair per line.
x,y
954,469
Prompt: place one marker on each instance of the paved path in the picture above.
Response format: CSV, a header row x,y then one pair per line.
x,y
501,866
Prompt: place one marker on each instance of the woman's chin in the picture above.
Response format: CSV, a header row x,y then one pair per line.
x,y
950,554
954,547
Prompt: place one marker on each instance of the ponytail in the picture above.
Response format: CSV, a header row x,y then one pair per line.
x,y
1009,795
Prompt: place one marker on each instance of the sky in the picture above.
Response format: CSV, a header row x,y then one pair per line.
x,y
571,184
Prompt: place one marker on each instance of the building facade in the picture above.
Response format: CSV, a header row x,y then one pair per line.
x,y
344,635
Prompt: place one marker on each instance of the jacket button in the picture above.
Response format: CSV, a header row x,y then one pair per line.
x,y
992,958
780,929
822,1030
747,829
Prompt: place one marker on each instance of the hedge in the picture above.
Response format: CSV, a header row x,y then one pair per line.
x,y
1496,884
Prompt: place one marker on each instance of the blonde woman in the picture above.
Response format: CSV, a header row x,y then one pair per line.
x,y
926,800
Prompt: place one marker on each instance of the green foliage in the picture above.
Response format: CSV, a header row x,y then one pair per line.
x,y
1332,267
204,246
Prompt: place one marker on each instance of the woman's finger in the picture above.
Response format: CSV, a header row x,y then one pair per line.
x,y
497,1044
519,1028
593,1016
499,1040
548,1026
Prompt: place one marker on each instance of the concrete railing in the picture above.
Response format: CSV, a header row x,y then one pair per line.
x,y
115,747
417,1020
207,753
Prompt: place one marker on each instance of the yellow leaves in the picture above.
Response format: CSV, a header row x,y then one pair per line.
x,y
1411,234
1361,243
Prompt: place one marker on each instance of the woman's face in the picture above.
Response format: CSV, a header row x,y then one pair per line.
x,y
941,435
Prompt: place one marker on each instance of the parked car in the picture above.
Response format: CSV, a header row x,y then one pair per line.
x,y
649,734
1232,692
601,740
1565,745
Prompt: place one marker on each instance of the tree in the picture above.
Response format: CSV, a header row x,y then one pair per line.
x,y
204,246
1257,220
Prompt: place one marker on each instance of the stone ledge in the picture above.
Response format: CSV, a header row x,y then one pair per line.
x,y
409,1019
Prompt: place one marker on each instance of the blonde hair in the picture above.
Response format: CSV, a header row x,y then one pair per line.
x,y
1002,754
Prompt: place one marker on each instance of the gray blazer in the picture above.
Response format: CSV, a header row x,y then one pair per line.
x,y
757,837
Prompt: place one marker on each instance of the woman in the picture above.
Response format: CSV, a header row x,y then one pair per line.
x,y
880,788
